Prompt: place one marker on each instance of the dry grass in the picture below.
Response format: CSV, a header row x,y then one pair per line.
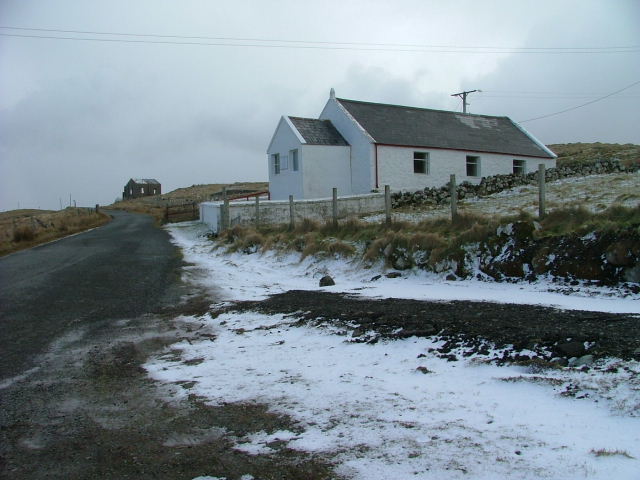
x,y
603,452
20,229
581,220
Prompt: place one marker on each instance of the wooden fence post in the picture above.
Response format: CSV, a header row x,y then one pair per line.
x,y
453,193
335,207
542,191
387,205
226,221
291,213
97,208
257,211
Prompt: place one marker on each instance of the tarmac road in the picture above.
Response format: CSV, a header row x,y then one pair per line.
x,y
120,270
78,319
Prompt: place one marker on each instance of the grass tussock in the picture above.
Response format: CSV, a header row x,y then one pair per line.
x,y
580,220
603,452
306,225
23,234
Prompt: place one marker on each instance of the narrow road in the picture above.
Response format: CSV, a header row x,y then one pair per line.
x,y
120,270
78,320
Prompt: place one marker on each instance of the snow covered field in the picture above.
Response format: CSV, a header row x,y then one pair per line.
x,y
594,192
391,410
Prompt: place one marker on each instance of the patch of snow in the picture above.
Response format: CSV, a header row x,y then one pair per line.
x,y
257,443
506,229
392,409
249,277
379,416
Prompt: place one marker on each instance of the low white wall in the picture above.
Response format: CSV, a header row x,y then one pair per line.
x,y
276,211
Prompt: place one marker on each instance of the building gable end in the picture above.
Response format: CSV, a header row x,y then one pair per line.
x,y
285,123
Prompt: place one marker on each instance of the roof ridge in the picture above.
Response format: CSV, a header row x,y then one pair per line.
x,y
419,108
304,118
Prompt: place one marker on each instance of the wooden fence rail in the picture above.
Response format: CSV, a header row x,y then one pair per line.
x,y
181,212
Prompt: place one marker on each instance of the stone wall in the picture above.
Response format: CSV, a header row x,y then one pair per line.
x,y
498,183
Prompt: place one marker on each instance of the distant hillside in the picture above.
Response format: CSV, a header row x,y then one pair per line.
x,y
201,193
20,229
586,152
155,205
194,193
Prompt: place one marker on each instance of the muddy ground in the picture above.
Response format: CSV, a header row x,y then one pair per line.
x,y
524,331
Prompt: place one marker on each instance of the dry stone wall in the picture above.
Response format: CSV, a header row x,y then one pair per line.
x,y
498,183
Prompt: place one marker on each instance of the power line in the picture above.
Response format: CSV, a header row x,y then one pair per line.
x,y
541,92
583,105
551,96
307,44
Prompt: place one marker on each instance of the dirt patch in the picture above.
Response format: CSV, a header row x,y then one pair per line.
x,y
475,327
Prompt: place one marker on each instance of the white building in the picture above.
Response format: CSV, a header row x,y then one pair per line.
x,y
359,147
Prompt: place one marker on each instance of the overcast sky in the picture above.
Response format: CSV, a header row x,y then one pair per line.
x,y
80,117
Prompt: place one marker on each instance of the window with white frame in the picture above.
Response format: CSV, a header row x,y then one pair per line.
x,y
284,162
473,166
519,167
293,155
276,163
421,162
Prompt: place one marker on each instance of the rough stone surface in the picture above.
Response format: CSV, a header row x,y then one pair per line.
x,y
327,281
571,349
582,361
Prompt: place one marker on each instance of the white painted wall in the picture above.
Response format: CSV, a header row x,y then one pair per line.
x,y
320,167
362,149
395,166
277,212
325,167
287,182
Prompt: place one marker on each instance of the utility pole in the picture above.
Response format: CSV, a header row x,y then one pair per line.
x,y
463,96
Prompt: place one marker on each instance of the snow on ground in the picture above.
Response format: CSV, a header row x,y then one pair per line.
x,y
240,276
373,411
594,192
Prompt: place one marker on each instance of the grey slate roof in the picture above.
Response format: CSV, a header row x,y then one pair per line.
x,y
421,127
318,132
